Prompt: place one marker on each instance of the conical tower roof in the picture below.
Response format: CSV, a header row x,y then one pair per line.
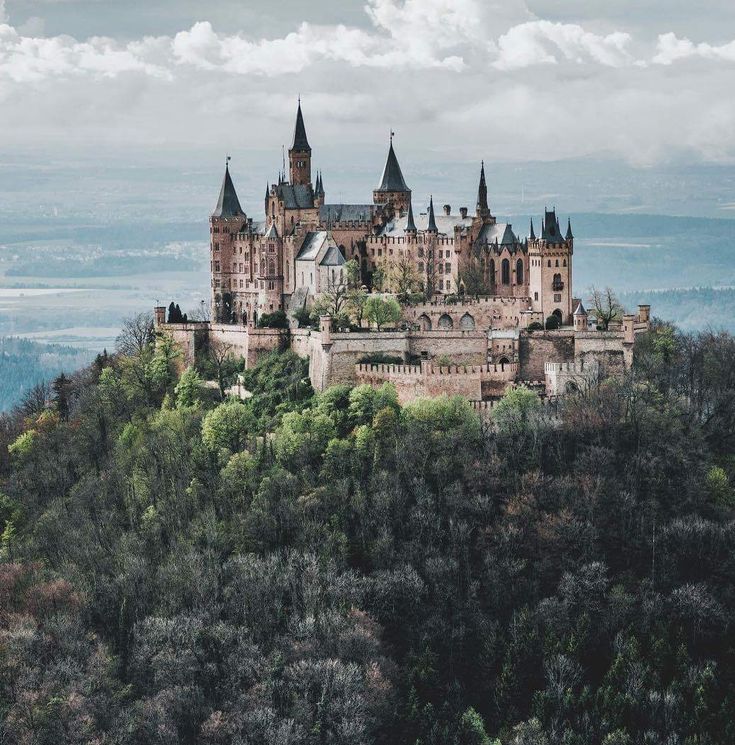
x,y
410,224
392,179
300,141
228,205
532,236
569,235
432,219
482,190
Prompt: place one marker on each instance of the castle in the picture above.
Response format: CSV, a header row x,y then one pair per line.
x,y
482,302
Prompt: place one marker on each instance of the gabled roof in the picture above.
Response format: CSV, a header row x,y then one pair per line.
x,y
500,232
333,257
346,212
228,205
392,179
300,141
313,241
298,196
272,232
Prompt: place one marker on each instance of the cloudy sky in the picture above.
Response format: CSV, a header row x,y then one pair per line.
x,y
641,82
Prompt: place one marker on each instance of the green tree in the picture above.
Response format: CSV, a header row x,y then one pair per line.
x,y
381,311
228,426
188,389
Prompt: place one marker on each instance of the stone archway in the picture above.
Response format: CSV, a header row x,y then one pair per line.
x,y
503,361
467,322
445,321
558,314
425,322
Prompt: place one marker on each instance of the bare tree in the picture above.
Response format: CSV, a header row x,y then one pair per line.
x,y
202,313
220,354
404,278
606,305
136,336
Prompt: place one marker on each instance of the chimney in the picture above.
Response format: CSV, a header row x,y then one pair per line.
x,y
463,212
447,209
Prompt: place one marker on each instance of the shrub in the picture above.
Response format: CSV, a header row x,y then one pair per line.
x,y
552,322
275,320
303,317
535,326
378,358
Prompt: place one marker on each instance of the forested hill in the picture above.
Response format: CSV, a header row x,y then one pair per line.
x,y
335,569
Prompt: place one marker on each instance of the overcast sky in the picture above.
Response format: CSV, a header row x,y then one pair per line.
x,y
646,81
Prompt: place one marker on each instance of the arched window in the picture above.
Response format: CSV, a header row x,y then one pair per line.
x,y
491,272
467,322
445,322
519,272
271,267
505,271
425,322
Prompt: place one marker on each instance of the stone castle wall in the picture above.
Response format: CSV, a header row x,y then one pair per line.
x,y
484,313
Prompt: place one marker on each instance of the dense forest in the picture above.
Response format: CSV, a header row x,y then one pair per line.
x,y
333,568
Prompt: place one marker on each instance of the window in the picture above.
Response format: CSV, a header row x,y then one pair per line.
x,y
505,271
549,262
441,268
564,262
557,298
421,251
216,246
557,262
421,266
448,268
535,295
449,285
519,272
216,266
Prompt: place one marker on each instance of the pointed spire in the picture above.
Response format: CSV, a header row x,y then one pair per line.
x,y
300,141
580,311
321,183
482,191
410,224
392,179
569,235
432,220
228,205
533,232
267,191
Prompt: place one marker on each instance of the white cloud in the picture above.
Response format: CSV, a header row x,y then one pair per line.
x,y
543,42
671,48
478,76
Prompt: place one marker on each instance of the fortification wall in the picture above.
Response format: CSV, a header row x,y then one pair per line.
x,y
416,381
539,347
462,347
607,348
481,314
188,337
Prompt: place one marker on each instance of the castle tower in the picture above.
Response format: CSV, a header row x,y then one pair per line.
x,y
299,154
226,220
580,318
392,189
482,211
550,269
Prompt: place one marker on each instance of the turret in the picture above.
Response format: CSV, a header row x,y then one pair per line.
x,y
482,207
228,205
580,318
299,154
393,189
432,220
410,224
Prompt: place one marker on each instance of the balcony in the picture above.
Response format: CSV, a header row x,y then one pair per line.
x,y
557,285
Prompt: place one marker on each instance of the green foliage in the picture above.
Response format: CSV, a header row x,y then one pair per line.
x,y
552,322
517,410
23,444
369,572
304,318
382,311
228,426
275,320
535,326
379,358
188,389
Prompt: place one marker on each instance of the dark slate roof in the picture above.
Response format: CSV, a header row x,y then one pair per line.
x,y
445,224
346,213
228,205
432,218
299,196
272,232
550,230
532,236
392,179
410,224
580,310
482,190
569,236
333,257
300,142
